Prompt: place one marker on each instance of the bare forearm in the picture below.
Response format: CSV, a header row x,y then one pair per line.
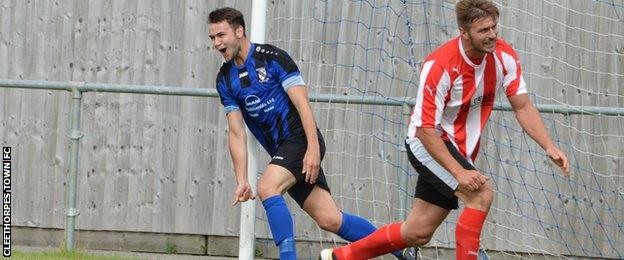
x,y
309,126
438,150
299,97
238,152
532,123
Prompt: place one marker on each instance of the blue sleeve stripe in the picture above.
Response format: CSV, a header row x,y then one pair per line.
x,y
229,109
290,82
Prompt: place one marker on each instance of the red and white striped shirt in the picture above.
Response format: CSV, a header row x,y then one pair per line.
x,y
456,96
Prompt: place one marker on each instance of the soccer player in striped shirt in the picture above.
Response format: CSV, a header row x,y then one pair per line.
x,y
458,83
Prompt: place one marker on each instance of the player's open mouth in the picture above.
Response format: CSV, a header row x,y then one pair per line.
x,y
223,50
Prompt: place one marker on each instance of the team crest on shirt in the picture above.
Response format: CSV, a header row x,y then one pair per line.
x,y
262,75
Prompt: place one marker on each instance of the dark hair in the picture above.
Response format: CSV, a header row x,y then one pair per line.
x,y
468,11
233,17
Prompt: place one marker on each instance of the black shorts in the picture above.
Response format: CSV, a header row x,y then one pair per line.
x,y
290,156
430,187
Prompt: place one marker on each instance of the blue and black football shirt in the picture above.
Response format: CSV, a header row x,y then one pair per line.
x,y
258,89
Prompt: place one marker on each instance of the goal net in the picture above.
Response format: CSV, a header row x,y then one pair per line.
x,y
572,53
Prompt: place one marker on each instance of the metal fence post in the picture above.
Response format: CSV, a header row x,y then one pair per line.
x,y
74,136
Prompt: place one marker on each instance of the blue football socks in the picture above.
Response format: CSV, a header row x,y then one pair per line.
x,y
281,224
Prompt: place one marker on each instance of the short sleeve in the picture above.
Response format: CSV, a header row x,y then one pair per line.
x,y
432,90
286,70
225,94
513,82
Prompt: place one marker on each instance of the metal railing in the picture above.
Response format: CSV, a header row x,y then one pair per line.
x,y
78,88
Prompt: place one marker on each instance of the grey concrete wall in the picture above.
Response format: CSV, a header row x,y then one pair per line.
x,y
160,164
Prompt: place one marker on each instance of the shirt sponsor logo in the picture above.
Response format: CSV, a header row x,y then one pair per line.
x,y
488,99
278,158
476,102
254,104
252,100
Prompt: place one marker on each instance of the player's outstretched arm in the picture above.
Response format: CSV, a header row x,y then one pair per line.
x,y
237,142
530,120
312,159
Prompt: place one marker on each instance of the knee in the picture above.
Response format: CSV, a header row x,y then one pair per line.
x,y
481,199
329,222
266,191
415,237
486,195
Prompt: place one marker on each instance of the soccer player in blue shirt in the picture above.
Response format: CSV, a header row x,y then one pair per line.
x,y
260,85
